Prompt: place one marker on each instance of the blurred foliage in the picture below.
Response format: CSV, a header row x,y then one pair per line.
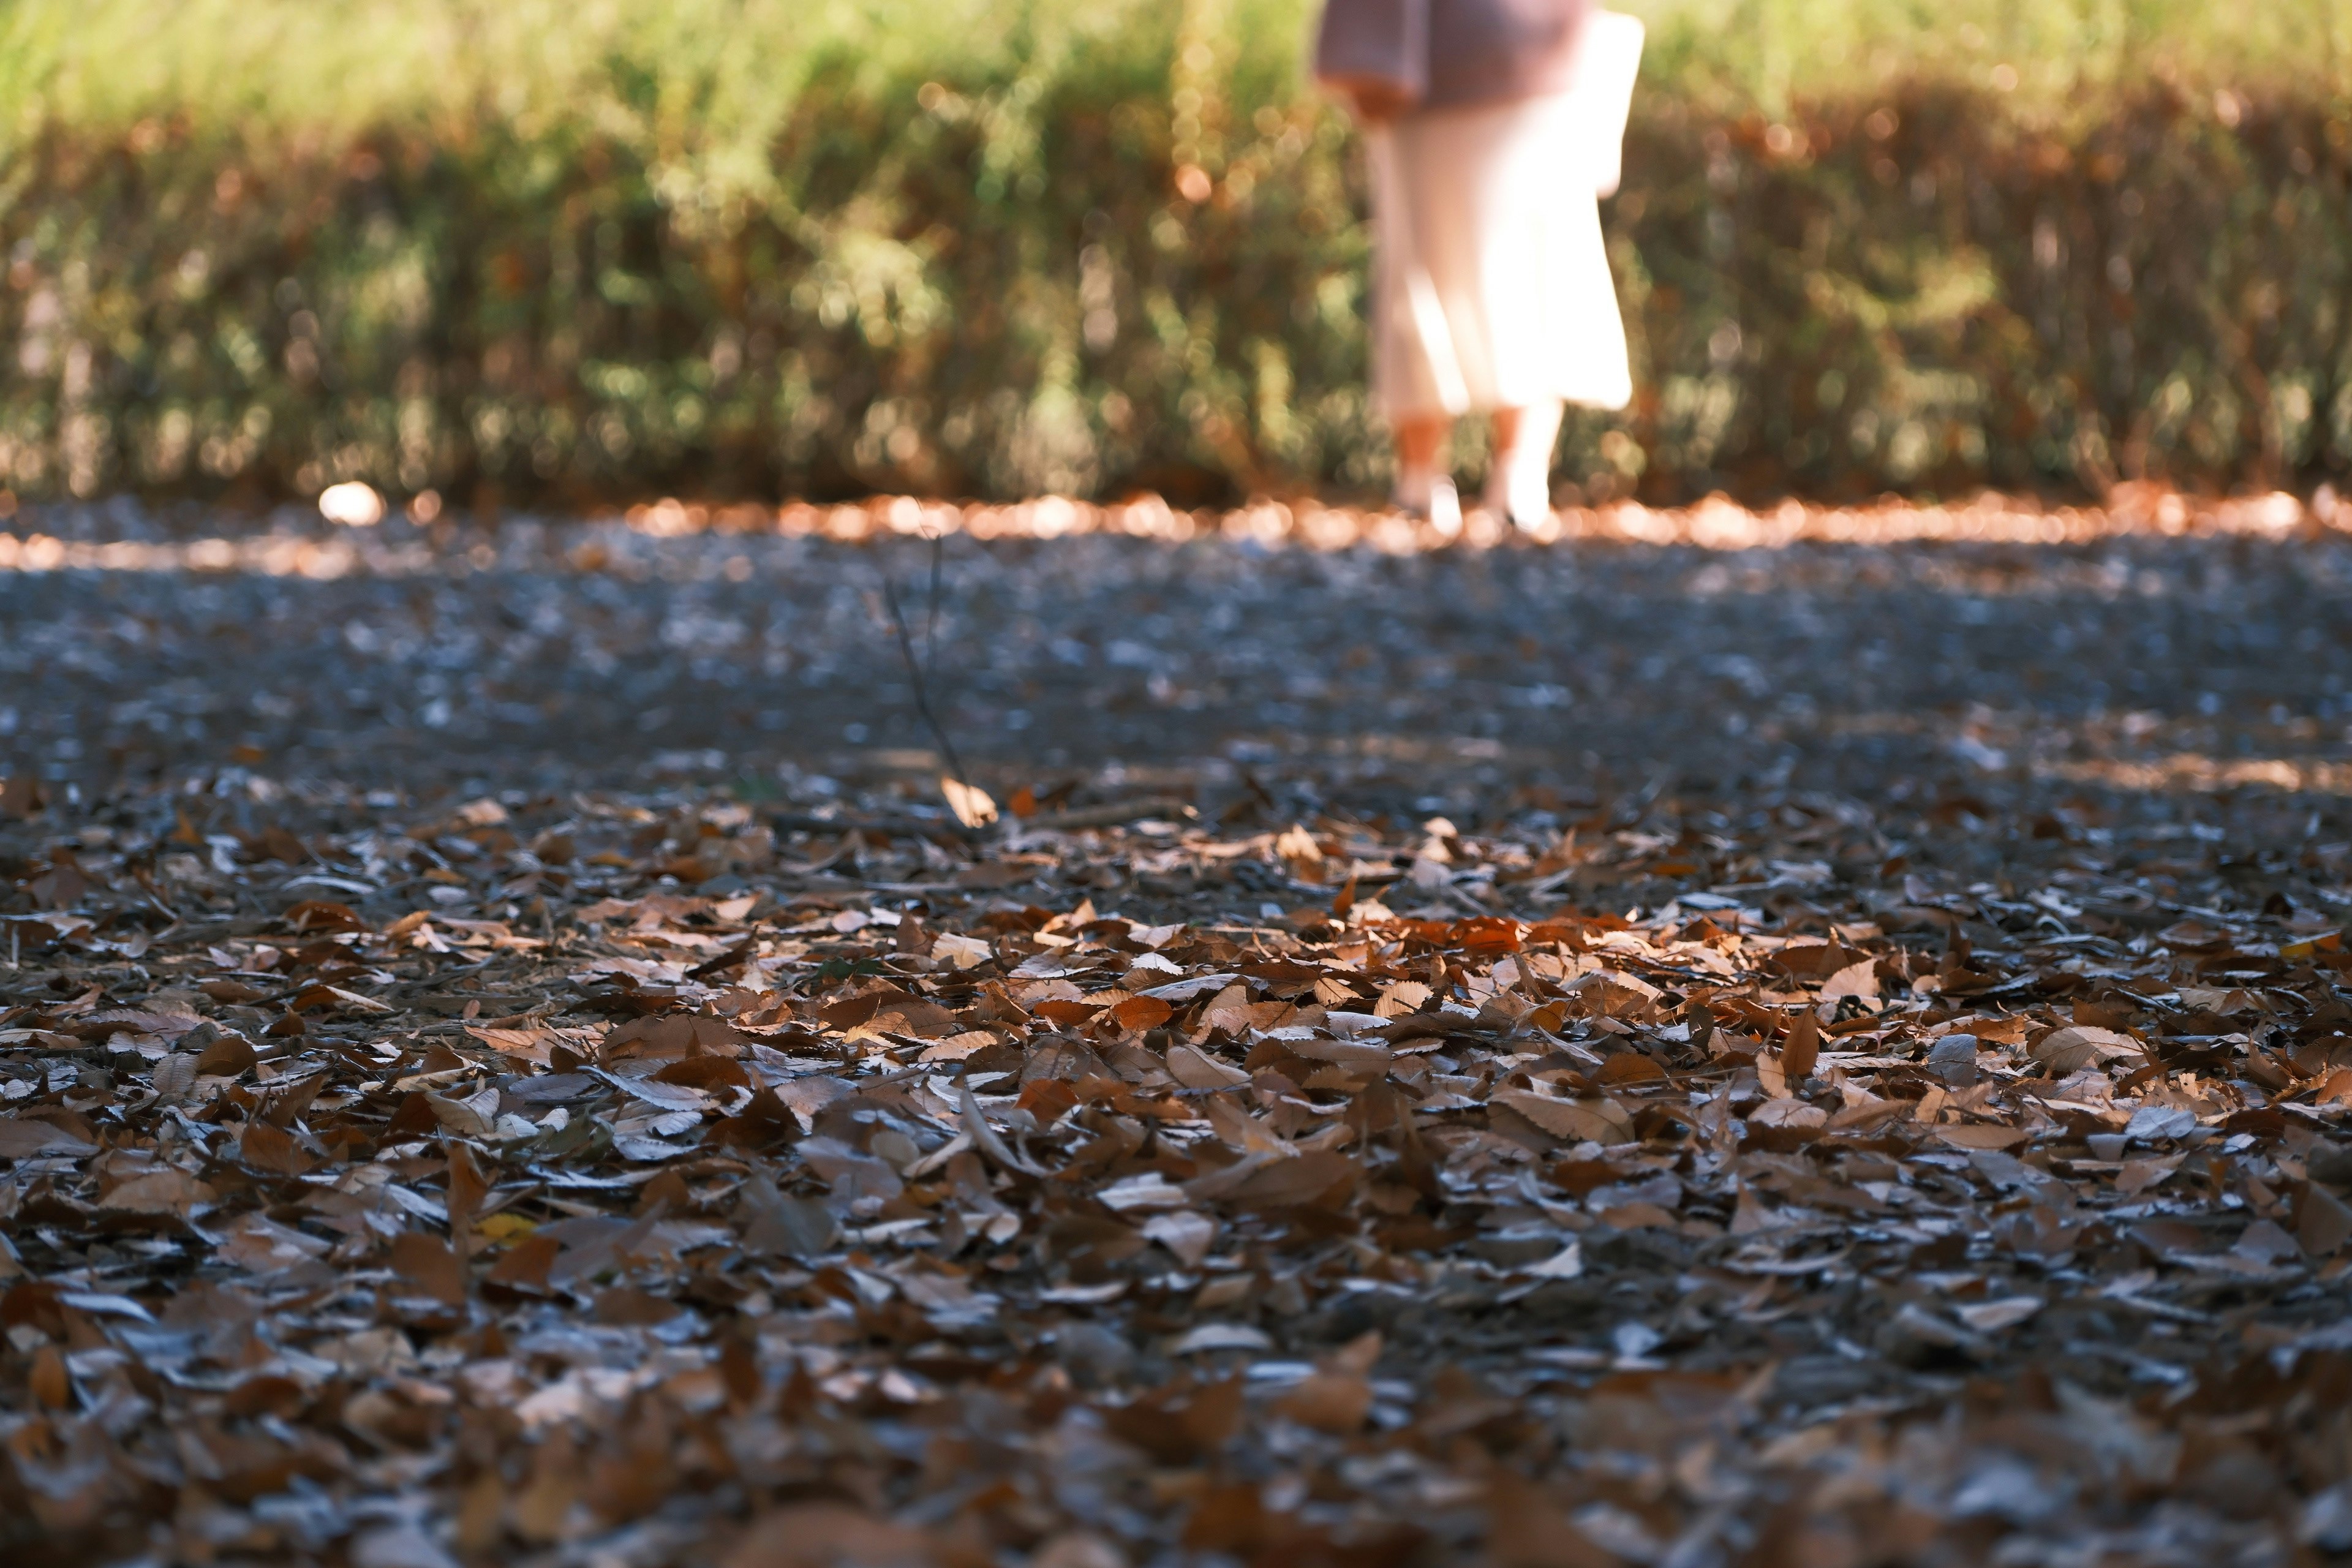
x,y
575,253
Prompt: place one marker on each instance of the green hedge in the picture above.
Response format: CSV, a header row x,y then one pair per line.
x,y
983,281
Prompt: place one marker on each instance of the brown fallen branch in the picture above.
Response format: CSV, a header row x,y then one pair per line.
x,y
1111,814
943,831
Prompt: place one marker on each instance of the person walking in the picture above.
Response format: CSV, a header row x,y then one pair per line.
x,y
1493,127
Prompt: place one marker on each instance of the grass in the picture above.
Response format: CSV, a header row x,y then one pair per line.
x,y
1771,51
723,75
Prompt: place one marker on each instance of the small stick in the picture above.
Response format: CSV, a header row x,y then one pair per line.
x,y
931,613
915,675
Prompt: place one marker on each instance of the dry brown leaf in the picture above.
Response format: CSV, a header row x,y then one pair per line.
x,y
1599,1120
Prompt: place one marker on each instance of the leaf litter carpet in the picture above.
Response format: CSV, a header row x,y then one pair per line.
x,y
1825,1056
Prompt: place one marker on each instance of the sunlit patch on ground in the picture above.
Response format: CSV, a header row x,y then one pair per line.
x,y
1715,524
290,547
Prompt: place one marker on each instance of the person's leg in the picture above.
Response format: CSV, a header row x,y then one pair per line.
x,y
1518,483
1422,484
1420,444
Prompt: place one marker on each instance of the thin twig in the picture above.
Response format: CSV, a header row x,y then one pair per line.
x,y
916,676
890,827
918,671
931,610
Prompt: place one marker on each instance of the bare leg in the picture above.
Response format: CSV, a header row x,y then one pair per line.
x,y
1422,484
1419,441
1518,485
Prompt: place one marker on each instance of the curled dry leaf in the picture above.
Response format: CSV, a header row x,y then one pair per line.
x,y
973,805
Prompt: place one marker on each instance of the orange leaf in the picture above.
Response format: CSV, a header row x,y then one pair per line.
x,y
1805,1047
1139,1013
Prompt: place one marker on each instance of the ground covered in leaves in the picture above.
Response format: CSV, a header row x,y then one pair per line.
x,y
1623,1055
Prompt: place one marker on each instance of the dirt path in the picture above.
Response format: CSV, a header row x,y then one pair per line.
x,y
599,653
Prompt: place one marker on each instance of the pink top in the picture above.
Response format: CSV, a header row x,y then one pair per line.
x,y
1452,54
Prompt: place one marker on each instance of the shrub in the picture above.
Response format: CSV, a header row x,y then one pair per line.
x,y
744,250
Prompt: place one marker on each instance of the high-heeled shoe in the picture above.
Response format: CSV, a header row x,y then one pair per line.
x,y
1432,498
1523,498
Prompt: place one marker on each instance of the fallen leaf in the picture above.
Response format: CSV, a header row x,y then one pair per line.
x,y
1982,1135
1599,1120
971,804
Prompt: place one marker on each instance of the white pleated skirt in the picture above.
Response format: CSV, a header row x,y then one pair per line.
x,y
1491,286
